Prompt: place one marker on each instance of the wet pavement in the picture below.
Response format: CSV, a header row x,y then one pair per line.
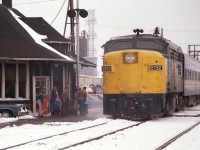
x,y
95,111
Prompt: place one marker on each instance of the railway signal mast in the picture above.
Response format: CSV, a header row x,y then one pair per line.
x,y
72,13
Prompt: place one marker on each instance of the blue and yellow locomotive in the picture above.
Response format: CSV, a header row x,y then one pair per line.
x,y
146,76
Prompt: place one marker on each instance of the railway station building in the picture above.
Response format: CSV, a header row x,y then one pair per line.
x,y
33,54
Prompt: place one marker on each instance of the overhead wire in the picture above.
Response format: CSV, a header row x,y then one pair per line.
x,y
33,2
42,2
66,19
58,12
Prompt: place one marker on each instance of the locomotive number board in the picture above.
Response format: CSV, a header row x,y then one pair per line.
x,y
156,67
106,68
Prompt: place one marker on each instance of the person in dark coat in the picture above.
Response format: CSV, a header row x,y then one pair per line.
x,y
55,102
39,99
76,105
82,96
65,101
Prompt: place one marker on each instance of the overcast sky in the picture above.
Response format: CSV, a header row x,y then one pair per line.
x,y
180,19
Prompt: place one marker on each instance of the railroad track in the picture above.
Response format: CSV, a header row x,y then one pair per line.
x,y
101,136
73,131
187,113
17,145
198,115
177,136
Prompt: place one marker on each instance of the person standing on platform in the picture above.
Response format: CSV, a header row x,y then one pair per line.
x,y
82,96
39,99
65,101
55,101
76,102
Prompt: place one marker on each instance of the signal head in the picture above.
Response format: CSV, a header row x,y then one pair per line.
x,y
83,13
71,13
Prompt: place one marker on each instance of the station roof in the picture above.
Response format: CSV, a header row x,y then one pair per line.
x,y
83,62
19,42
39,25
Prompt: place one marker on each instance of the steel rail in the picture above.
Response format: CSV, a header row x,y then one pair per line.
x,y
101,136
17,145
177,136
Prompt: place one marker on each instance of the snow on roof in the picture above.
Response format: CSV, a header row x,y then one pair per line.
x,y
38,38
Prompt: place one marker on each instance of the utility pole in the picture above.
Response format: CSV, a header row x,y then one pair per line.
x,y
72,24
77,41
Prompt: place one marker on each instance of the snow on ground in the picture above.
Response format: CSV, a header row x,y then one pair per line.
x,y
147,136
6,120
28,132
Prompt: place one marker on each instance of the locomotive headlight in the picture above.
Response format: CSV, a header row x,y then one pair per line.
x,y
129,58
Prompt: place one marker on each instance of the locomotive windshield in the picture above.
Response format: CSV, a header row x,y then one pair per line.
x,y
147,44
119,45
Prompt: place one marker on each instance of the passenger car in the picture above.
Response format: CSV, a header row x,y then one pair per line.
x,y
12,110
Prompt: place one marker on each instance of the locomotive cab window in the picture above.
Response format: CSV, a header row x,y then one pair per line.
x,y
117,45
149,44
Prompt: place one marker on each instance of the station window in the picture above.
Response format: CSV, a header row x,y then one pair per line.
x,y
22,80
13,80
36,69
58,76
10,80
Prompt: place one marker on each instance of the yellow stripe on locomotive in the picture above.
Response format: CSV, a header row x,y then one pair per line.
x,y
141,72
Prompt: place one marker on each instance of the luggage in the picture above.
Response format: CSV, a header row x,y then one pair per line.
x,y
57,106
